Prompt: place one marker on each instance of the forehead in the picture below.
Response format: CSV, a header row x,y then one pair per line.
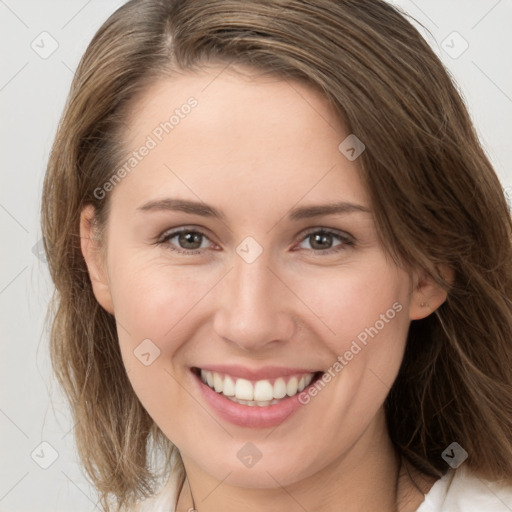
x,y
236,131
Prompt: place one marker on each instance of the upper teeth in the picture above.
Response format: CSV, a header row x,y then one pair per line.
x,y
260,391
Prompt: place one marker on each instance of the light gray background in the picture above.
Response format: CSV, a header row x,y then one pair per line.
x,y
32,94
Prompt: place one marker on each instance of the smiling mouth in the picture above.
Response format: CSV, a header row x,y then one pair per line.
x,y
260,393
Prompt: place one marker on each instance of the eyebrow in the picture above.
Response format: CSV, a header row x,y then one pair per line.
x,y
306,212
205,210
182,205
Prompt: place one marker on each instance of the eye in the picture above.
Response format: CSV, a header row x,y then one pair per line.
x,y
323,241
188,241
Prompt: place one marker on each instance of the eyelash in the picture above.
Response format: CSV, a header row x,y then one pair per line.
x,y
345,239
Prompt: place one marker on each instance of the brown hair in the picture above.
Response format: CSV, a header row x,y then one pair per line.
x,y
435,196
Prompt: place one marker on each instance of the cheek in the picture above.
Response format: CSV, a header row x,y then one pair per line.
x,y
151,299
364,312
358,303
364,324
153,305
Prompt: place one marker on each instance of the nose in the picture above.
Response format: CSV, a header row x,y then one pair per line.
x,y
254,308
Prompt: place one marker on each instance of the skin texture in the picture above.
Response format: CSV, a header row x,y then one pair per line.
x,y
255,147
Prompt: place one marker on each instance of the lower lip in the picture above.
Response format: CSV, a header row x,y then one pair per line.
x,y
246,415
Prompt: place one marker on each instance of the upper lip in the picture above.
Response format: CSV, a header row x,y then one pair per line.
x,y
266,372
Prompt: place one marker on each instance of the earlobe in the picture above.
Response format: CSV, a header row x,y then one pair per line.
x,y
90,247
428,295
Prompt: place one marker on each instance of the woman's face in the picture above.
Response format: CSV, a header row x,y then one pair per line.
x,y
278,274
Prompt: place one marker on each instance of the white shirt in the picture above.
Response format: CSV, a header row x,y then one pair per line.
x,y
457,491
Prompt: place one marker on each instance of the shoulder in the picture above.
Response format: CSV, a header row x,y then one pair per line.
x,y
460,490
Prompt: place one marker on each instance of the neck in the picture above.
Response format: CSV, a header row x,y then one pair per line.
x,y
367,478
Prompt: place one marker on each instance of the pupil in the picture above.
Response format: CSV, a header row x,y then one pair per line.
x,y
321,239
190,240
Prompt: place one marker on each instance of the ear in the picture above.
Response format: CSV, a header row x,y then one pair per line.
x,y
427,295
91,251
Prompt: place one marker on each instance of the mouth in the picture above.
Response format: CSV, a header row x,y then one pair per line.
x,y
256,393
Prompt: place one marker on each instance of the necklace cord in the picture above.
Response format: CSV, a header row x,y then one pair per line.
x,y
191,496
